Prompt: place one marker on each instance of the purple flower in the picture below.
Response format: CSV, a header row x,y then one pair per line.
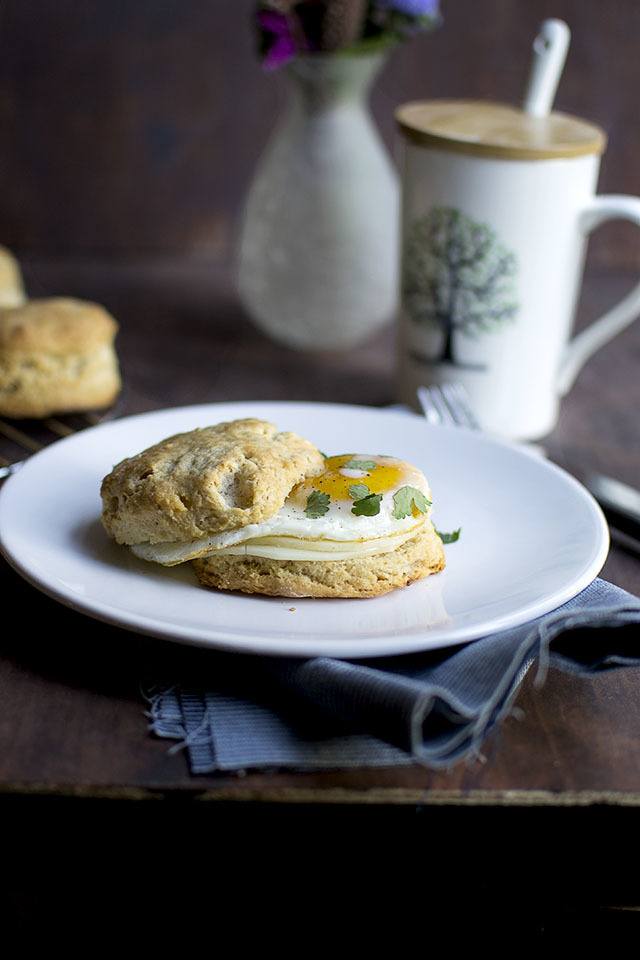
x,y
413,8
278,43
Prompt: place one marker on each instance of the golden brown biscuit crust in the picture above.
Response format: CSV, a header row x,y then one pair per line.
x,y
57,326
40,386
56,356
203,482
368,577
11,285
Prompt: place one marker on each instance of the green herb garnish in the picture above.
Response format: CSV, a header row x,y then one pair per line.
x,y
317,504
358,491
368,506
359,465
405,499
450,537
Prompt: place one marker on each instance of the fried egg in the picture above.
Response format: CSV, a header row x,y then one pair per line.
x,y
325,517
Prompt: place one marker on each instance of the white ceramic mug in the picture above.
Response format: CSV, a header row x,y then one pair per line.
x,y
497,209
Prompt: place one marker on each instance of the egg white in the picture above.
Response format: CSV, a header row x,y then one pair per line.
x,y
291,535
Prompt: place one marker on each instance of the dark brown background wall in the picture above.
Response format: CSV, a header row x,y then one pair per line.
x,y
131,128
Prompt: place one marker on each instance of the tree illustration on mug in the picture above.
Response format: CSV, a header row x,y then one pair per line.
x,y
458,278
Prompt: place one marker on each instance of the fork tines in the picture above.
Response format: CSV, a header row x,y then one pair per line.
x,y
447,404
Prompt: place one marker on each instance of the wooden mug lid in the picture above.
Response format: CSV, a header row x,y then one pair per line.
x,y
487,129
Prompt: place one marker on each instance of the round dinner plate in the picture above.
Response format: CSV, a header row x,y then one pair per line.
x,y
532,538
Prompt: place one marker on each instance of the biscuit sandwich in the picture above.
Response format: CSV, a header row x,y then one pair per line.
x,y
264,512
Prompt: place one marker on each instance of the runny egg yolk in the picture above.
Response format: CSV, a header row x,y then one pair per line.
x,y
385,477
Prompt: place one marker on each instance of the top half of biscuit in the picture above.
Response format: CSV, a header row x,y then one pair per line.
x,y
57,326
206,481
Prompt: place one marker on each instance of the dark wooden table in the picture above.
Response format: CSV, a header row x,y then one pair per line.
x,y
72,723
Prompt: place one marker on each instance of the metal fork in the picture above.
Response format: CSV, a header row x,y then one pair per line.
x,y
447,405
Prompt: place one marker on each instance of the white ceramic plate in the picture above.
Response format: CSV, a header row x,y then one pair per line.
x,y
532,538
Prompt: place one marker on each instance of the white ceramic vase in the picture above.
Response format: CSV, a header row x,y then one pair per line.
x,y
319,242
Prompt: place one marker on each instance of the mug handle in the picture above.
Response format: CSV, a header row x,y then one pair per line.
x,y
586,343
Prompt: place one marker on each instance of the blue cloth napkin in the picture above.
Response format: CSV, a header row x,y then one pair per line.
x,y
434,708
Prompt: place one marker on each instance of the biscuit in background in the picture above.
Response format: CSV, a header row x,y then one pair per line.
x,y
11,283
56,356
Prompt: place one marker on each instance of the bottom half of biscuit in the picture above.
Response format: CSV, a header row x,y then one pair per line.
x,y
38,385
368,577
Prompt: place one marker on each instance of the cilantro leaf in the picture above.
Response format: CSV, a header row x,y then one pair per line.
x,y
367,506
450,537
317,504
358,491
405,499
359,465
